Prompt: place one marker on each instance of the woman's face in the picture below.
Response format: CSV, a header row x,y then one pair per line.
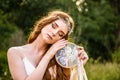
x,y
54,31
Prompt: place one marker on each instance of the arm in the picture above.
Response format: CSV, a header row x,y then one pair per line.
x,y
15,64
17,67
45,60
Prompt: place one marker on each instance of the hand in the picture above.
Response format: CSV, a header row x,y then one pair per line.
x,y
56,46
82,54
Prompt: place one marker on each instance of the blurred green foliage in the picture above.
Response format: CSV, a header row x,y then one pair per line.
x,y
100,71
6,29
116,56
97,29
4,70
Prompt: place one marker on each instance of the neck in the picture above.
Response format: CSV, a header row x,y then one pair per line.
x,y
39,46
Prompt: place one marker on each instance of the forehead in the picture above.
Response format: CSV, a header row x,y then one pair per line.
x,y
62,25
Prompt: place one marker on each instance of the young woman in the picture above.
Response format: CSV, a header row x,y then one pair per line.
x,y
35,60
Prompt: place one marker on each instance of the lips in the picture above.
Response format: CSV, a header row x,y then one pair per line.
x,y
49,37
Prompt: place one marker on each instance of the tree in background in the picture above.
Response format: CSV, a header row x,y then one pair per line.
x,y
98,21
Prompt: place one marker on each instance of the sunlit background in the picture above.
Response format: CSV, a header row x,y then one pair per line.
x,y
97,29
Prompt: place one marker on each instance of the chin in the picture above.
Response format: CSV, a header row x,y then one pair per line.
x,y
47,40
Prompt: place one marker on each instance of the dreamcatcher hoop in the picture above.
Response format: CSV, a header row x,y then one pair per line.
x,y
67,57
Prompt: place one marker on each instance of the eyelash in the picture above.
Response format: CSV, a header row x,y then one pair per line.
x,y
53,26
61,35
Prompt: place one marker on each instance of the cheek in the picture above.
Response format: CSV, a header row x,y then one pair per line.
x,y
45,29
56,40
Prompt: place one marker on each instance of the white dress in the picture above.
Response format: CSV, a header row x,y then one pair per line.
x,y
28,66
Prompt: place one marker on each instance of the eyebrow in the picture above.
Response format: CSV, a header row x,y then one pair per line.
x,y
58,26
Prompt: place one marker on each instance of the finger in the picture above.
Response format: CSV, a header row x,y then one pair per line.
x,y
80,52
61,44
80,47
62,41
84,57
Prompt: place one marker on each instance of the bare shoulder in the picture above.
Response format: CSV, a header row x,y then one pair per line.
x,y
14,57
14,51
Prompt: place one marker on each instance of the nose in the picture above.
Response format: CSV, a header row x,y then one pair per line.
x,y
54,32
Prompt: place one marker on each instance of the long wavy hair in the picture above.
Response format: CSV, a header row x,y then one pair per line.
x,y
61,73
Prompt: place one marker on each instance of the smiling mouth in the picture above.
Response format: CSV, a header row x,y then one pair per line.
x,y
49,36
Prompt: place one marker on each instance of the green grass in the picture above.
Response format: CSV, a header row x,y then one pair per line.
x,y
100,71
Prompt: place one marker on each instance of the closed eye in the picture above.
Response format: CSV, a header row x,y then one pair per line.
x,y
54,26
61,34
